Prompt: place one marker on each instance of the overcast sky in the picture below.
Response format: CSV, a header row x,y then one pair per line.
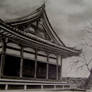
x,y
69,18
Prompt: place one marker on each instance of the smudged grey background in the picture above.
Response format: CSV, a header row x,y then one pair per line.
x,y
71,19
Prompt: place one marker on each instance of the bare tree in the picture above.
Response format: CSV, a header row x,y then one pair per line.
x,y
85,60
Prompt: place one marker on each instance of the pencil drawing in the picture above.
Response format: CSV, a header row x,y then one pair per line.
x,y
45,45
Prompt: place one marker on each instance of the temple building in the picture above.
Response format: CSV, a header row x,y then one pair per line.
x,y
31,53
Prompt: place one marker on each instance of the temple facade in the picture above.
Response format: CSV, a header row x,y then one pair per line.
x,y
31,53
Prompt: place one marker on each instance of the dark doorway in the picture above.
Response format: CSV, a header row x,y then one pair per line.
x,y
41,70
28,68
11,66
52,71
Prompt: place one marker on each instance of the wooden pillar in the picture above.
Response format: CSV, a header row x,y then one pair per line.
x,y
2,57
35,74
57,68
21,62
41,87
47,67
61,69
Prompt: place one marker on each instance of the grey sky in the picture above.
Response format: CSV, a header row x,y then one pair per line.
x,y
69,18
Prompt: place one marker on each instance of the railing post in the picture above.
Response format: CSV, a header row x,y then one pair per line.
x,y
25,87
6,87
55,87
41,87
